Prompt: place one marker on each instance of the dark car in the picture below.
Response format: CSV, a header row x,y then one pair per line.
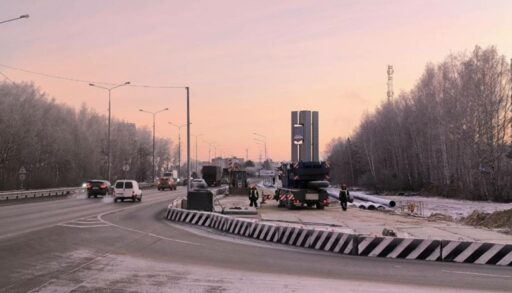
x,y
166,183
97,187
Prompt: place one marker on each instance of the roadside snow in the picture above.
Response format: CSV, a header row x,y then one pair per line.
x,y
451,207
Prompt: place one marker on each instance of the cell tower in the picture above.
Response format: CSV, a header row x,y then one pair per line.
x,y
390,82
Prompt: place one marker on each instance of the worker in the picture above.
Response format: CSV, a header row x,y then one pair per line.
x,y
343,196
253,196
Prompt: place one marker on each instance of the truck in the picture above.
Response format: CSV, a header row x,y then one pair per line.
x,y
303,185
238,182
212,175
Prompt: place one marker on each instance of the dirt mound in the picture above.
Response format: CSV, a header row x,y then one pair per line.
x,y
439,217
500,219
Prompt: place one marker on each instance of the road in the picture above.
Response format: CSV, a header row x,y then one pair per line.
x,y
81,245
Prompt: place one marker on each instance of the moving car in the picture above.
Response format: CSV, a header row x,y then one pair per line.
x,y
166,182
127,189
97,187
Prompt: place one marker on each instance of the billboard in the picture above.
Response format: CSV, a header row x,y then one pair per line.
x,y
298,134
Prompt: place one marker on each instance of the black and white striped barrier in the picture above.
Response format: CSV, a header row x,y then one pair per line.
x,y
477,252
295,236
405,248
344,243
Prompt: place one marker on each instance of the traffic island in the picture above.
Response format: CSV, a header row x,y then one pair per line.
x,y
330,240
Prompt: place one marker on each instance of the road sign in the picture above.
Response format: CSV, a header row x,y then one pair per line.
x,y
126,167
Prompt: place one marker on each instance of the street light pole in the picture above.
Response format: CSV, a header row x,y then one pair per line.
x,y
179,145
109,119
197,159
154,118
17,18
188,139
264,141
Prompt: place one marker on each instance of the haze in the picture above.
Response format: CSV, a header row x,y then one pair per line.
x,y
248,63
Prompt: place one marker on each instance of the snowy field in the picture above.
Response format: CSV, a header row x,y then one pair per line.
x,y
451,207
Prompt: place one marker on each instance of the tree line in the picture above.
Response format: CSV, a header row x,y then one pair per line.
x,y
59,146
450,135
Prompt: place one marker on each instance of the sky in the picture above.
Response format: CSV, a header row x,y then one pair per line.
x,y
248,63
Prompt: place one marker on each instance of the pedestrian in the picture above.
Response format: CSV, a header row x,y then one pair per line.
x,y
343,197
253,197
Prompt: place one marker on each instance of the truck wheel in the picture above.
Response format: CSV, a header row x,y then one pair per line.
x,y
320,206
140,198
115,200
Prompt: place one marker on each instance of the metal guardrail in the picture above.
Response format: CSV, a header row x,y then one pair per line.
x,y
23,194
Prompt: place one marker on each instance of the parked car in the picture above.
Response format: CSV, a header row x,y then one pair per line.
x,y
97,187
198,184
127,189
166,183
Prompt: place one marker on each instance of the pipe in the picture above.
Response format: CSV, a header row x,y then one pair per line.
x,y
374,199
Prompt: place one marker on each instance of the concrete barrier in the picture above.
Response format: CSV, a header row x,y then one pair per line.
x,y
477,252
351,244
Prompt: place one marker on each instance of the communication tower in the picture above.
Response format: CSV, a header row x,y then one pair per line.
x,y
390,82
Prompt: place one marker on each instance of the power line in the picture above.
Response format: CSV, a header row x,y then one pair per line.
x,y
5,76
53,76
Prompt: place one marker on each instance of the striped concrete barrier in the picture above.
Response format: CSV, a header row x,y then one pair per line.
x,y
477,252
337,242
351,244
405,248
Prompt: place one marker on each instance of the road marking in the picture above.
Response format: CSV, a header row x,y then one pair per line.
x,y
477,274
100,217
78,226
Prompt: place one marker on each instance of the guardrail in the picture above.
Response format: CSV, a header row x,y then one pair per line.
x,y
35,193
24,194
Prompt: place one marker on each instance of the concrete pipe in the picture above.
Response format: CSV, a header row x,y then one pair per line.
x,y
374,199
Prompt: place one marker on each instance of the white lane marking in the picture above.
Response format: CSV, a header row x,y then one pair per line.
x,y
79,226
45,226
478,274
100,217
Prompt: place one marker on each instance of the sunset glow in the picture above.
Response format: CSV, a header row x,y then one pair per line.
x,y
248,63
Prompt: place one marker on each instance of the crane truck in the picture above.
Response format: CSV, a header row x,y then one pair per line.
x,y
302,185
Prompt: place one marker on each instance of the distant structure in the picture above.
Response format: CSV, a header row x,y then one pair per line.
x,y
390,82
305,136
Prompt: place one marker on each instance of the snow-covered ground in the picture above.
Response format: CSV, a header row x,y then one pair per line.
x,y
451,207
123,273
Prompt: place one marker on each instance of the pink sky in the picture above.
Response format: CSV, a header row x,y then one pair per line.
x,y
248,63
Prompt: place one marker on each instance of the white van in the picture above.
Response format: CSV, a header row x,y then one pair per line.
x,y
127,189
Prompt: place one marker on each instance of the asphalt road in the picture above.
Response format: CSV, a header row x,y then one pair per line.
x,y
81,245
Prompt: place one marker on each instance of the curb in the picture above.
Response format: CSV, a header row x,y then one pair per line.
x,y
350,244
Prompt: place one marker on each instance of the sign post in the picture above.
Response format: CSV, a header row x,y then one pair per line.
x,y
126,168
22,173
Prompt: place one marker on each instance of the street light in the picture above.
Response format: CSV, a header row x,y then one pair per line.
x,y
154,116
17,18
179,145
209,149
264,141
197,159
109,117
